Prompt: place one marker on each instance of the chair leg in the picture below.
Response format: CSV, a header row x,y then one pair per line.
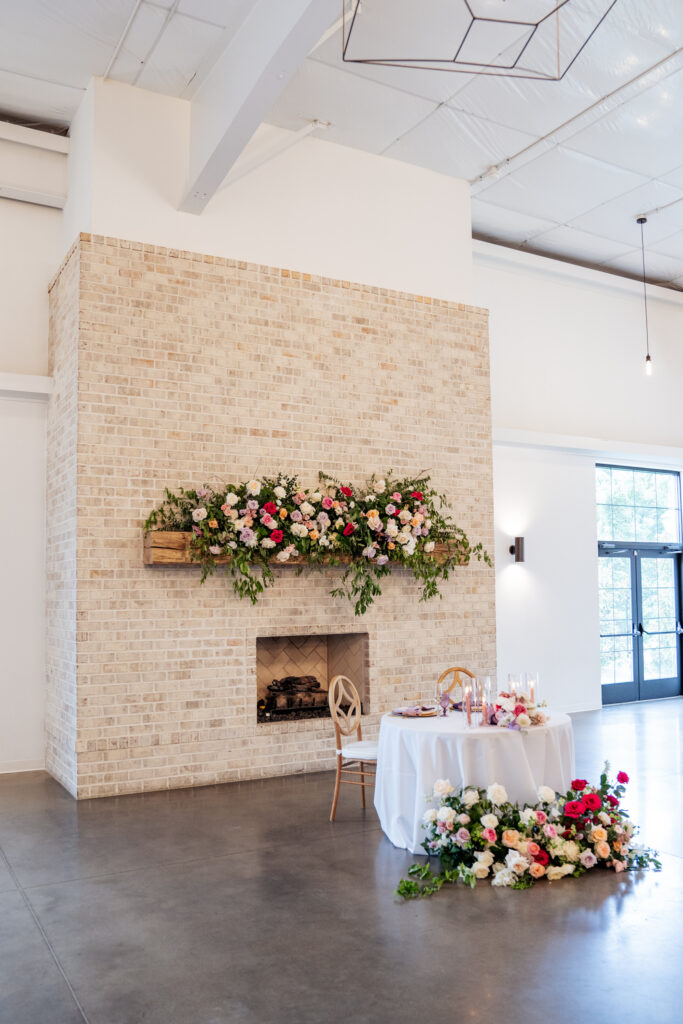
x,y
362,782
337,784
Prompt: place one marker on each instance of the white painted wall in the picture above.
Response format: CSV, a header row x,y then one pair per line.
x,y
319,208
568,390
22,583
29,246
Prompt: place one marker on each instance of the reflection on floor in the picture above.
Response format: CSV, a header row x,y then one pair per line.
x,y
242,903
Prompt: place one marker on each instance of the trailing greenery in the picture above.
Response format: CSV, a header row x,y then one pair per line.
x,y
386,522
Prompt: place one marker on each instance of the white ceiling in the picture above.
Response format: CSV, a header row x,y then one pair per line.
x,y
561,168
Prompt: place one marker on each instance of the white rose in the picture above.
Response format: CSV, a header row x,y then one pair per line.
x,y
410,546
527,816
231,499
508,704
339,523
316,496
381,486
571,851
369,497
489,821
546,795
497,794
516,863
428,524
485,857
406,529
429,816
557,871
504,877
523,721
199,514
403,538
604,818
254,487
392,529
446,814
299,530
498,866
251,543
282,556
480,870
429,546
470,797
279,492
232,544
306,508
324,542
442,788
267,543
405,516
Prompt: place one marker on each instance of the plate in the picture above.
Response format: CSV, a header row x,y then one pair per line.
x,y
415,712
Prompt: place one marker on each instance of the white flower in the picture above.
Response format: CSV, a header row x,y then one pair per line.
x,y
324,542
405,516
381,486
282,556
429,546
403,538
604,818
429,816
571,851
485,857
516,862
527,816
508,704
489,821
464,819
392,529
369,552
497,794
339,523
299,530
267,543
557,871
442,788
480,870
410,546
199,514
306,508
232,544
316,496
254,487
215,549
231,499
523,721
504,877
470,798
446,814
279,492
369,497
375,523
546,795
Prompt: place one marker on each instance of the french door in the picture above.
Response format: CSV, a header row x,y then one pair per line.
x,y
640,622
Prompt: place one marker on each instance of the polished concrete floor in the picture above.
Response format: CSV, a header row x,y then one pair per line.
x,y
242,903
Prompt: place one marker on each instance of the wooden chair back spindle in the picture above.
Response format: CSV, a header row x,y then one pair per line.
x,y
443,686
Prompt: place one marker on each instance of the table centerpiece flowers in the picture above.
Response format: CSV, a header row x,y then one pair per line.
x,y
259,523
479,834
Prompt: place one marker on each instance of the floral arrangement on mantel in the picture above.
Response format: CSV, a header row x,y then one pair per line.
x,y
270,520
478,834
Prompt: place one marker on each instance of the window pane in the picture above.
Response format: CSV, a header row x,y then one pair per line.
x,y
646,524
624,523
605,531
667,491
603,485
638,505
646,489
622,487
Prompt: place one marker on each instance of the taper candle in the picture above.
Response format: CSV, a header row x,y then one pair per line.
x,y
468,706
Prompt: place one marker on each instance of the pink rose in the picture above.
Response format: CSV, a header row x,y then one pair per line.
x,y
536,870
550,831
541,817
533,849
618,865
489,834
396,496
327,503
462,836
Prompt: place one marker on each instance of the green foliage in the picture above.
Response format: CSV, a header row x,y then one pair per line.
x,y
246,526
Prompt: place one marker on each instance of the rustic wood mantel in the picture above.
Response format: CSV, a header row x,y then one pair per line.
x,y
165,547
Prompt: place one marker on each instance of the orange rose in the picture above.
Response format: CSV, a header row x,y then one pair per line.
x,y
602,850
510,838
213,524
373,514
314,534
598,835
391,545
283,513
536,870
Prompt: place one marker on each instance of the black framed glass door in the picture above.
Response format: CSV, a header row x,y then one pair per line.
x,y
640,622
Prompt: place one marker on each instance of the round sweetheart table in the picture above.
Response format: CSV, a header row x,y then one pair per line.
x,y
414,752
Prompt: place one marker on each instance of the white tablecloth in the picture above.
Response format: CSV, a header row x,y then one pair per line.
x,y
413,753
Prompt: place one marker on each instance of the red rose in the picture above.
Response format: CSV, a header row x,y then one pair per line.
x,y
542,858
592,801
348,529
520,709
270,507
579,784
622,777
418,495
574,808
612,800
395,512
346,491
276,535
567,833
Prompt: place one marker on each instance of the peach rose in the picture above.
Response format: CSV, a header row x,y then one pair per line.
x,y
510,838
533,849
598,835
536,870
283,513
213,523
602,850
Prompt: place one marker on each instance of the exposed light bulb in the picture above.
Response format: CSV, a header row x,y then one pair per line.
x,y
648,365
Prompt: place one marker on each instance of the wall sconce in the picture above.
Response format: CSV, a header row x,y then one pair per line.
x,y
517,549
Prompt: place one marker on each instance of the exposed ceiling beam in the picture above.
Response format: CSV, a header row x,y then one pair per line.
x,y
33,137
28,195
243,84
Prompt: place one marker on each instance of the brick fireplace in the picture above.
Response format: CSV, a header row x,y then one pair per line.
x,y
175,369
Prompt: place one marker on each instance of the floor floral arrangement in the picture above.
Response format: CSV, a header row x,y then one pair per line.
x,y
386,521
479,834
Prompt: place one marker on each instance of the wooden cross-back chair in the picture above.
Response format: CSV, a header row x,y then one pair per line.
x,y
353,756
443,685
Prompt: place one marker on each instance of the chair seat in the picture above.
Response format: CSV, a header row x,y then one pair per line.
x,y
362,750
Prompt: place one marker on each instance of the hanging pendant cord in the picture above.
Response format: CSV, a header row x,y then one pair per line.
x,y
641,221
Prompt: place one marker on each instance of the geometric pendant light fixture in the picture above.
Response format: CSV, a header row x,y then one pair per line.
x,y
537,39
648,357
